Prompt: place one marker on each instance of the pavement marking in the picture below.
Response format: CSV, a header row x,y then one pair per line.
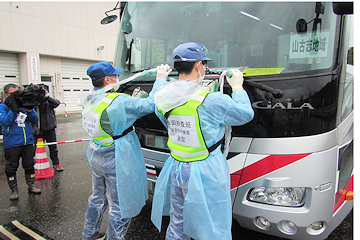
x,y
8,234
16,230
27,230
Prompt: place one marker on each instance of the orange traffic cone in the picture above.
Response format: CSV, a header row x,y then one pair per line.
x,y
42,165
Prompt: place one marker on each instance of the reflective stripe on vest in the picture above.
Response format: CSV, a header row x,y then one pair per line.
x,y
186,141
91,122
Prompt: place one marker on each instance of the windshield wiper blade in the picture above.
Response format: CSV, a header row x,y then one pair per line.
x,y
141,70
272,92
172,73
215,71
276,93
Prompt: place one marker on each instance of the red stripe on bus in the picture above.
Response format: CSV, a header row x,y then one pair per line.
x,y
349,187
263,167
235,179
152,174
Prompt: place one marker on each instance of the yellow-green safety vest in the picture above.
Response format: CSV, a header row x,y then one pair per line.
x,y
91,121
186,140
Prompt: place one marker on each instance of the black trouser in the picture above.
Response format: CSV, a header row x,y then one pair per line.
x,y
49,136
13,155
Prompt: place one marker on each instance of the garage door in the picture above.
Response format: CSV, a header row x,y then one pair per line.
x,y
75,81
9,69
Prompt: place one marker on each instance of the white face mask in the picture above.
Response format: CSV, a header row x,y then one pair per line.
x,y
115,86
201,78
116,80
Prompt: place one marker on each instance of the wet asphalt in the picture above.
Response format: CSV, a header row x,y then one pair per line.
x,y
60,209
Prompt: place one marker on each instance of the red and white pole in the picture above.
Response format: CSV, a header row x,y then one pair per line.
x,y
61,142
65,109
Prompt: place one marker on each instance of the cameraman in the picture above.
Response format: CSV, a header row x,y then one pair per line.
x,y
47,126
18,139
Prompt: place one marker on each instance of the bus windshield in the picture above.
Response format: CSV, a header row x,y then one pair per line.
x,y
267,37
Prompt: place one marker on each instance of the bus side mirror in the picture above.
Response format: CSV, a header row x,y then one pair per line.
x,y
341,8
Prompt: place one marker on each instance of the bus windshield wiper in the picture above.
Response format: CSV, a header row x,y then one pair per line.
x,y
172,73
271,93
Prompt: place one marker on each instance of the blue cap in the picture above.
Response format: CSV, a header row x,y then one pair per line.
x,y
102,69
190,52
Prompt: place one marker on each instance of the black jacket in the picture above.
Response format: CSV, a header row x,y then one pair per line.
x,y
47,114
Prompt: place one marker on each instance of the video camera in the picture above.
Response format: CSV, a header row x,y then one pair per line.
x,y
32,95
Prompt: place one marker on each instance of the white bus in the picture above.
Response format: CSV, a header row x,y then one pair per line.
x,y
292,165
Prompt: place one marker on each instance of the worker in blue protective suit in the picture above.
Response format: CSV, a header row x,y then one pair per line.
x,y
118,168
194,185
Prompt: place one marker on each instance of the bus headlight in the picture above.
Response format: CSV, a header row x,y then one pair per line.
x,y
316,228
262,223
287,227
281,196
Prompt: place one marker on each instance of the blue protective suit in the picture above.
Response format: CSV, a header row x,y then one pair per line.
x,y
118,171
196,194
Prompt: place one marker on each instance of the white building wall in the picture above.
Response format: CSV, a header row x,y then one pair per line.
x,y
65,29
49,66
51,31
